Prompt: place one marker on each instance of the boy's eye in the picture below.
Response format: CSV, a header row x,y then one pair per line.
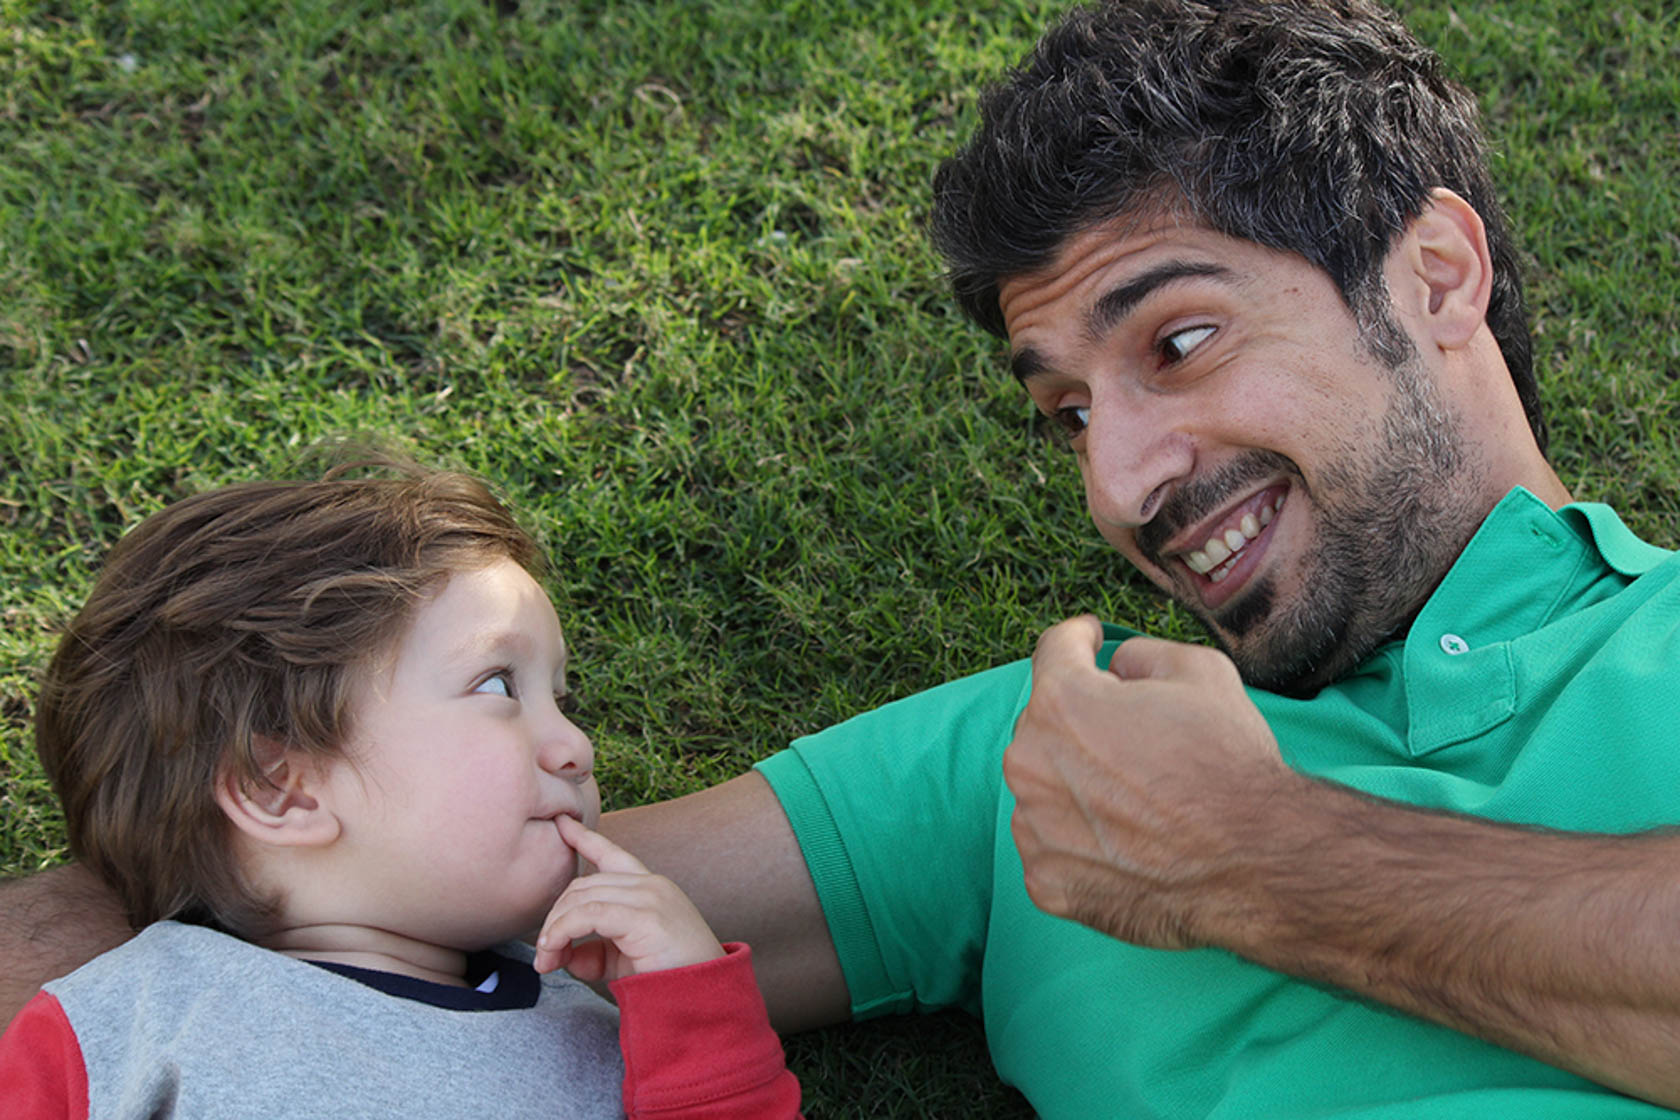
x,y
1177,345
499,683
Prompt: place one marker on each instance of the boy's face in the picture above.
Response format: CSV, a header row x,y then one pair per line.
x,y
459,765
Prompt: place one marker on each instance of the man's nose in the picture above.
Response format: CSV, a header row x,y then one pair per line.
x,y
1130,462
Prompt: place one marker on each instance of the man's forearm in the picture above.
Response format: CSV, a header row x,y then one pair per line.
x,y
1560,945
50,924
1191,831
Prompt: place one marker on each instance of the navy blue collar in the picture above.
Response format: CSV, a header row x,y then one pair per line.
x,y
517,984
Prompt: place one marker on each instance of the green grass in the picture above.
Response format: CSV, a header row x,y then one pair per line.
x,y
656,269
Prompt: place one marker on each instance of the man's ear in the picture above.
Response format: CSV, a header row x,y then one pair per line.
x,y
1442,259
288,809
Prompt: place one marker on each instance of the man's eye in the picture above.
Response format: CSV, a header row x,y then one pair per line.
x,y
1072,420
499,683
1177,345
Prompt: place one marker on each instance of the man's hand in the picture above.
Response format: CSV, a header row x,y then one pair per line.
x,y
1134,786
1152,804
643,922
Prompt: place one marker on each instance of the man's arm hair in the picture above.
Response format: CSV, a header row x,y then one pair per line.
x,y
51,923
731,849
1560,945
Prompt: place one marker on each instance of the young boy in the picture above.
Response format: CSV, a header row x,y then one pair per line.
x,y
311,734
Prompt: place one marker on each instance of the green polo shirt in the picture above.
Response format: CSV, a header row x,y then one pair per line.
x,y
1539,684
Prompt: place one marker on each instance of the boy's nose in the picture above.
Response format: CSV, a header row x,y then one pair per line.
x,y
565,750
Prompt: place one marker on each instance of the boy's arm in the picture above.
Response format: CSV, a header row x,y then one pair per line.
x,y
731,850
52,923
42,1076
697,1044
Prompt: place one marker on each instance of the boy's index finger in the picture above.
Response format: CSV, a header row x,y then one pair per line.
x,y
597,849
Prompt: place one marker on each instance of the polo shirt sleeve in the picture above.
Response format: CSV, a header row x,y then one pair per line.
x,y
897,813
41,1070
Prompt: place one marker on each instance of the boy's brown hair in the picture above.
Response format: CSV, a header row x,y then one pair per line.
x,y
222,628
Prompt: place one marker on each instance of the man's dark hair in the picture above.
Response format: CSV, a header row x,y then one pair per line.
x,y
1316,127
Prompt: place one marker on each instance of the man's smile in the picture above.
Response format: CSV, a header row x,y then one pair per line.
x,y
1210,536
1231,545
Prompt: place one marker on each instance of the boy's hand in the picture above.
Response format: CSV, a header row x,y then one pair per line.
x,y
643,921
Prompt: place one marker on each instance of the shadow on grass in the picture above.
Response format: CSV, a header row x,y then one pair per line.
x,y
929,1067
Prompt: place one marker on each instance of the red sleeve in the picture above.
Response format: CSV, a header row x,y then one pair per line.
x,y
41,1070
698,1045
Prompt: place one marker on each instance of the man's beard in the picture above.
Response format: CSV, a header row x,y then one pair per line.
x,y
1391,521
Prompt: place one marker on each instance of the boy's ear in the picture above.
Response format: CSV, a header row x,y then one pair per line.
x,y
1445,263
286,811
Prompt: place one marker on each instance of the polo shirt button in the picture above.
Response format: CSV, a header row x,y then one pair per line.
x,y
1453,644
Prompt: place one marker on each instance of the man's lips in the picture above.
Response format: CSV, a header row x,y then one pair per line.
x,y
1228,544
1243,525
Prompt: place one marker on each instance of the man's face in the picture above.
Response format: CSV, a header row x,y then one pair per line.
x,y
1240,443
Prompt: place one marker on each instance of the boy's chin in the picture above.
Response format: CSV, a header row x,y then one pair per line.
x,y
529,930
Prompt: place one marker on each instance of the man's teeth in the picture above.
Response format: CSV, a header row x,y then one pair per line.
x,y
1216,558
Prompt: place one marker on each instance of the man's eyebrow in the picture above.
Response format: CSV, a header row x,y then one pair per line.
x,y
1026,363
1114,305
1117,303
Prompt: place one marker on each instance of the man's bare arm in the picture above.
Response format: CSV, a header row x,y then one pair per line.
x,y
50,924
1560,945
730,848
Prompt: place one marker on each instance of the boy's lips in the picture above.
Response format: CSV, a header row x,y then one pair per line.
x,y
553,817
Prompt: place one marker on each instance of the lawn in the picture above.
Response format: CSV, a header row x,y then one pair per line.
x,y
656,269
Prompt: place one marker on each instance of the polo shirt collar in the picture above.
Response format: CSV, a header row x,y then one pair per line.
x,y
1525,565
1622,550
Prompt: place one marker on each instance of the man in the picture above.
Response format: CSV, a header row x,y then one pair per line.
x,y
1248,258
